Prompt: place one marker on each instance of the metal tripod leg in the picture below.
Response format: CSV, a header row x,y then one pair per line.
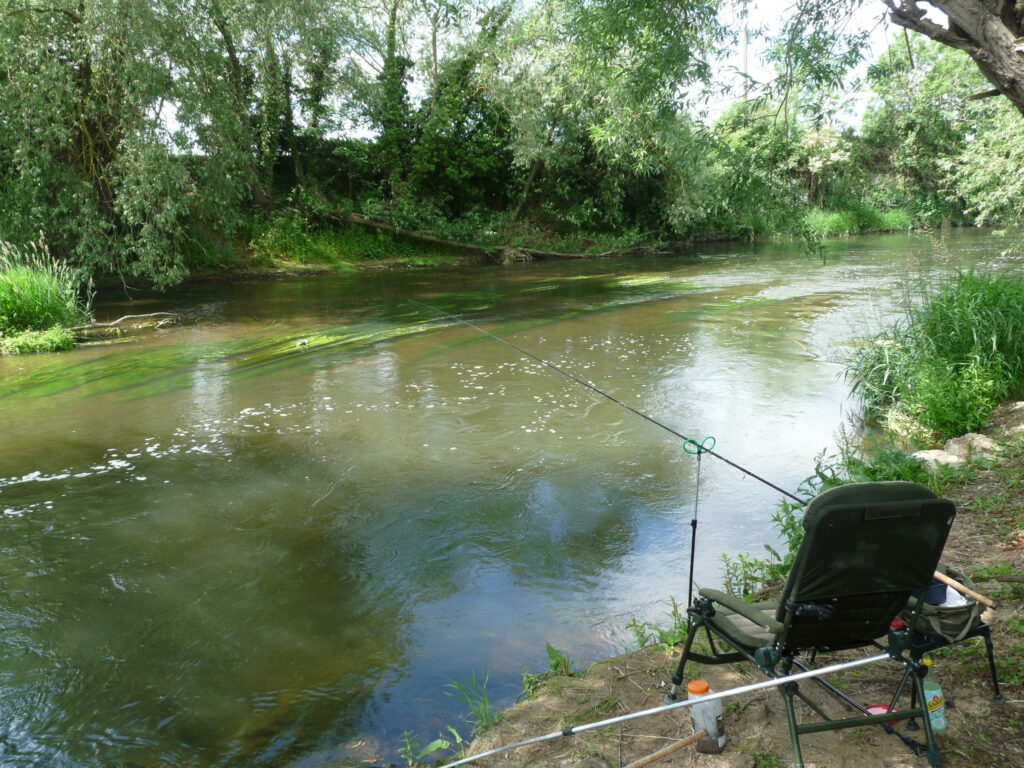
x,y
677,678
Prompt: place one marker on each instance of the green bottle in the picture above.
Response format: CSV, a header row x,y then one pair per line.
x,y
935,701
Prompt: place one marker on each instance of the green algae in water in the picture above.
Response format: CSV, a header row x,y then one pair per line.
x,y
141,372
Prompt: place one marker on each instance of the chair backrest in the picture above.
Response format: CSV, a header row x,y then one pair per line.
x,y
866,547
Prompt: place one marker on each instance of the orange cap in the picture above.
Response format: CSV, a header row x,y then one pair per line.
x,y
698,687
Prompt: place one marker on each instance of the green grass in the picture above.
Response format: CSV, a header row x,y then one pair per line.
x,y
830,223
37,291
289,237
857,218
957,353
54,339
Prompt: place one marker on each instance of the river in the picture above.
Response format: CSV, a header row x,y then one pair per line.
x,y
276,533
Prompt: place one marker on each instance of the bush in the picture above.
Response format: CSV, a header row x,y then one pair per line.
x,y
290,237
956,354
37,292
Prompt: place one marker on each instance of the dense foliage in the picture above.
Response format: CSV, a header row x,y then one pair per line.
x,y
149,138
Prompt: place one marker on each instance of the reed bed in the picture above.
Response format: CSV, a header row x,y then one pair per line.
x,y
38,292
956,354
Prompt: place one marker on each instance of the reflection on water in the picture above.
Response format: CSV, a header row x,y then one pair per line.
x,y
271,535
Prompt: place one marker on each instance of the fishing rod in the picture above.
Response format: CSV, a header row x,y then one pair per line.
x,y
701,447
774,682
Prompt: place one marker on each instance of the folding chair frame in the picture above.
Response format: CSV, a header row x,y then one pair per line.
x,y
779,664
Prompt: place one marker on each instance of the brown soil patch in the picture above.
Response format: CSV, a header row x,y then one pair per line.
x,y
986,541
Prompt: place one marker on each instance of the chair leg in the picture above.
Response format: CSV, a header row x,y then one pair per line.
x,y
929,736
794,736
996,695
912,723
677,678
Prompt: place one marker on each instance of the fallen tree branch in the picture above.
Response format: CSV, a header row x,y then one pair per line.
x,y
116,323
362,221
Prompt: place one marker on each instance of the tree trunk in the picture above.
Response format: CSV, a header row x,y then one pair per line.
x,y
989,31
526,188
260,194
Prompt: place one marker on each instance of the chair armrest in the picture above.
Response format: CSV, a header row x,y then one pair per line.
x,y
744,609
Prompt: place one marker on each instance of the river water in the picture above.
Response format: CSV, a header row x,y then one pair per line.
x,y
276,533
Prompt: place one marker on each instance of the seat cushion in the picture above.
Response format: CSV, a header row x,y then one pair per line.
x,y
740,630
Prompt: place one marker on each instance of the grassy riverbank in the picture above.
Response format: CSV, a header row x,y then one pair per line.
x,y
300,241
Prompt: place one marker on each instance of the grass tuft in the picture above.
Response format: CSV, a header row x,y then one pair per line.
x,y
37,291
956,354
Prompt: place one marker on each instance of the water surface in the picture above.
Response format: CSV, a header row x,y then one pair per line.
x,y
273,534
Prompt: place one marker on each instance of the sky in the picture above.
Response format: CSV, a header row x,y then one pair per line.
x,y
766,16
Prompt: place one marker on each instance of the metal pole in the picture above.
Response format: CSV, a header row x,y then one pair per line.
x,y
773,683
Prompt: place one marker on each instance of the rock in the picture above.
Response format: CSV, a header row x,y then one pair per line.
x,y
971,444
936,457
1008,417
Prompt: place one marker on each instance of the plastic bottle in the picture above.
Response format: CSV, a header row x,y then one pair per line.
x,y
934,699
707,716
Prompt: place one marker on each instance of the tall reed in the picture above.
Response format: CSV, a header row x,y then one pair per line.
x,y
38,292
957,352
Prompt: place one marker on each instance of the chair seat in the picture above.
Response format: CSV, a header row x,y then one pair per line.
x,y
741,630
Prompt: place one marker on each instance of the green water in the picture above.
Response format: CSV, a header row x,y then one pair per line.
x,y
224,547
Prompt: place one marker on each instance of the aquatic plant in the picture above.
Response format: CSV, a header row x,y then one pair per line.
x,y
413,753
51,340
37,291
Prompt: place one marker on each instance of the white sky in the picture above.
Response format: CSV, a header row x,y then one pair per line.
x,y
768,15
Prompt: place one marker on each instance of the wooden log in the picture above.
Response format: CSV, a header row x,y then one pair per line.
x,y
116,323
964,590
666,751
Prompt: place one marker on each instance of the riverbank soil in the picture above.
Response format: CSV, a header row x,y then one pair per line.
x,y
987,541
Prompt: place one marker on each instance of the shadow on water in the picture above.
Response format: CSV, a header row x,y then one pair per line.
x,y
270,536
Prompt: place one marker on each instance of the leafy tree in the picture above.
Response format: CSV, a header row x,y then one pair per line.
x,y
460,158
986,174
918,120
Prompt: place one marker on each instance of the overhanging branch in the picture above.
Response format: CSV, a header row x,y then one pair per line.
x,y
909,15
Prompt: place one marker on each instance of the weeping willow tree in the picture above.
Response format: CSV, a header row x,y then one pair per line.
x,y
135,133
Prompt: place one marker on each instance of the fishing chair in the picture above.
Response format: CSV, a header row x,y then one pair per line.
x,y
866,548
